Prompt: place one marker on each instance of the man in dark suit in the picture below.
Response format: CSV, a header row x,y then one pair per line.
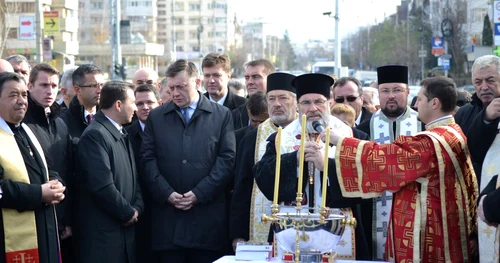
x,y
216,74
256,72
109,194
348,90
28,227
87,82
146,99
188,154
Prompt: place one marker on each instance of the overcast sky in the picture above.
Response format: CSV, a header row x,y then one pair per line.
x,y
304,19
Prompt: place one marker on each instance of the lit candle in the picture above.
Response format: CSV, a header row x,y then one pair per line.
x,y
301,158
325,168
278,165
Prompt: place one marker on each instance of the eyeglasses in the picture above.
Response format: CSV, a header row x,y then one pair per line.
x,y
317,103
348,98
93,86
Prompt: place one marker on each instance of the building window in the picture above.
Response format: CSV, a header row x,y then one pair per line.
x,y
179,35
178,20
194,21
23,7
219,34
179,48
96,5
96,19
210,20
194,7
193,34
219,20
162,13
179,6
210,34
196,48
12,33
162,5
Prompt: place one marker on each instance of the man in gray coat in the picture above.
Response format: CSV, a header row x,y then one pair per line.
x,y
188,153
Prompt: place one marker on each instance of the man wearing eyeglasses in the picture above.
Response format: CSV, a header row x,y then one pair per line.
x,y
348,90
146,76
394,118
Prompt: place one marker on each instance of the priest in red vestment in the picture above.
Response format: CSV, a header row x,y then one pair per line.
x,y
430,174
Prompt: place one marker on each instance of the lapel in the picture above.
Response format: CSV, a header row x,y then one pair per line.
x,y
229,102
118,136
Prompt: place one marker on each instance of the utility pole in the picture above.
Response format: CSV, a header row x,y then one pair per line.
x,y
338,60
38,28
116,51
174,42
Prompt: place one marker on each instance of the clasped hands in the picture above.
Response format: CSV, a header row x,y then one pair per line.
x,y
53,192
183,201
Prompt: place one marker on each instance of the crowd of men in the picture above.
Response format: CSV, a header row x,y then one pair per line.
x,y
157,171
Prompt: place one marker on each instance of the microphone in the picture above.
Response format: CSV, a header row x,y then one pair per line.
x,y
318,126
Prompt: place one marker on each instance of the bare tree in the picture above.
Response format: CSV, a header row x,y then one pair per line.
x,y
6,9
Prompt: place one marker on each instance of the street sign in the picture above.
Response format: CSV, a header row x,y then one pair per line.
x,y
47,49
446,64
437,46
422,53
26,27
496,12
51,22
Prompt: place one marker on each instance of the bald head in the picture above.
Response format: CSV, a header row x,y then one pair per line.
x,y
145,76
5,66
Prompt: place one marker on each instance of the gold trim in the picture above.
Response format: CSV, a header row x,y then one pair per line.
x,y
442,193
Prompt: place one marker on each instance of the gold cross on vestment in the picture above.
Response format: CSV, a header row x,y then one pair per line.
x,y
487,231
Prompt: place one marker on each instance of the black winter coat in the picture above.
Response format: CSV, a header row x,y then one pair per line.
x,y
197,157
108,193
54,138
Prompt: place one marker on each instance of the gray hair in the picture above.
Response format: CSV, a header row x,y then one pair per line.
x,y
236,84
66,79
18,59
163,84
486,61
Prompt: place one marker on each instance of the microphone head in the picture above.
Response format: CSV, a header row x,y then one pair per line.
x,y
318,126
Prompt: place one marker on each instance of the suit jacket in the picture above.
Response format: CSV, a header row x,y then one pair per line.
x,y
108,194
365,115
232,100
197,157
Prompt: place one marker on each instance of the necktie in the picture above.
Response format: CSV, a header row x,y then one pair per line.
x,y
90,118
185,114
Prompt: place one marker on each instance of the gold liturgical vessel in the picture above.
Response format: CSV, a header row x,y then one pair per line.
x,y
306,235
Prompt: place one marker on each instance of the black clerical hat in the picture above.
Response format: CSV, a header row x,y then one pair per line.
x,y
313,83
280,81
392,74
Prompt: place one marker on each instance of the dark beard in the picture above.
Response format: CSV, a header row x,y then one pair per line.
x,y
393,113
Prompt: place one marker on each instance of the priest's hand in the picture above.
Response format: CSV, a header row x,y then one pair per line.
x,y
313,153
334,138
66,233
53,192
480,213
189,200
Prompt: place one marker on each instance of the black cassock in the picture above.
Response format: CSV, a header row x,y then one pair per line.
x,y
264,172
23,197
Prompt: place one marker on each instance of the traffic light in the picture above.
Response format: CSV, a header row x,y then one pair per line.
x,y
123,74
117,69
